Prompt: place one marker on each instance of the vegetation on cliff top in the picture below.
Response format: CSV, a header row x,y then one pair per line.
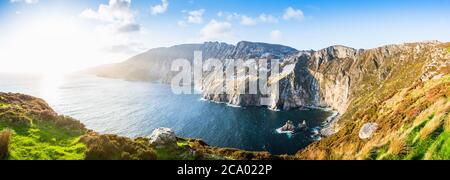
x,y
31,130
37,132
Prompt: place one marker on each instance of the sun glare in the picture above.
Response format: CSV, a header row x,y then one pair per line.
x,y
49,85
50,45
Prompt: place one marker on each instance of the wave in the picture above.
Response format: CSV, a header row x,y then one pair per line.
x,y
289,134
275,110
279,131
332,117
228,104
234,106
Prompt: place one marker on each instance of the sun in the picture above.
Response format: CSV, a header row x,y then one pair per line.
x,y
50,45
46,45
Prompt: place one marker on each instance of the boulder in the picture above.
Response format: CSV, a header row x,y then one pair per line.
x,y
367,130
163,136
289,126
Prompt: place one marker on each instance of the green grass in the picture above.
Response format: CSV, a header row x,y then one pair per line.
x,y
418,146
435,146
44,141
440,150
182,152
448,49
4,105
173,153
182,143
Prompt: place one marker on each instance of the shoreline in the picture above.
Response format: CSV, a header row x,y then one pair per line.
x,y
327,129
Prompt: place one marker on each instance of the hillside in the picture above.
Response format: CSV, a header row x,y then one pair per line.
x,y
154,65
408,112
392,100
31,130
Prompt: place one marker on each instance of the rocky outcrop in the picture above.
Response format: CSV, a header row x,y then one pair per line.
x,y
367,130
289,126
162,136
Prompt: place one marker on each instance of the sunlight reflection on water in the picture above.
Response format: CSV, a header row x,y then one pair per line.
x,y
49,86
136,108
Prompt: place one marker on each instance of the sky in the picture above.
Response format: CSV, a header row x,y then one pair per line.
x,y
67,35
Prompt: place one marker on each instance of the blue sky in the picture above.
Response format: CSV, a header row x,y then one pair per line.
x,y
126,27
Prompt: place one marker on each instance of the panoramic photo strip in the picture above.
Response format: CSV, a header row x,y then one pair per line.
x,y
224,80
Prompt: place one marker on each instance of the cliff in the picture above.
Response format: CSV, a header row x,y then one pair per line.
x,y
398,109
392,100
326,78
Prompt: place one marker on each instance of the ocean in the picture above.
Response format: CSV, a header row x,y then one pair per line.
x,y
135,109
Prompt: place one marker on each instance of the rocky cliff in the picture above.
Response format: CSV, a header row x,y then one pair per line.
x,y
398,108
336,77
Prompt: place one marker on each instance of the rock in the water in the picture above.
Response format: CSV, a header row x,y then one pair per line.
x,y
289,126
163,136
367,130
303,126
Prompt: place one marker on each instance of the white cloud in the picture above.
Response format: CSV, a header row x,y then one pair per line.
x,y
160,8
248,21
220,14
196,17
25,1
216,30
192,17
267,18
276,35
182,24
127,49
229,16
291,13
117,16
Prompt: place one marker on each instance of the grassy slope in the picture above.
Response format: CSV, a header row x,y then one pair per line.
x,y
36,138
44,141
426,136
411,116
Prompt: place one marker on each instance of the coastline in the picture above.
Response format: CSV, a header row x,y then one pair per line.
x,y
328,128
330,125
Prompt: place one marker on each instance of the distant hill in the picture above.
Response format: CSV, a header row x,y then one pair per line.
x,y
154,65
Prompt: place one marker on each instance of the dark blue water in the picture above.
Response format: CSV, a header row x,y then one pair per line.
x,y
137,108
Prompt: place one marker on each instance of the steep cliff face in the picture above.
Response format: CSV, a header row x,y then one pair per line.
x,y
398,106
308,78
330,77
